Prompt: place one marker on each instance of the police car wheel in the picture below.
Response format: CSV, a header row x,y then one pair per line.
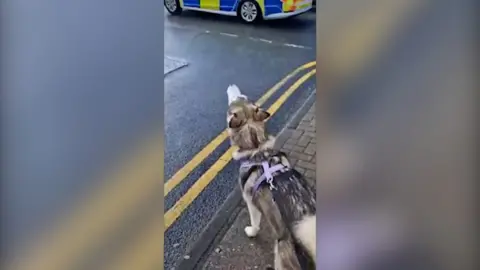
x,y
249,11
173,6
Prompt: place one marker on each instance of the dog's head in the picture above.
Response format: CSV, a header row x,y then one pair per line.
x,y
245,121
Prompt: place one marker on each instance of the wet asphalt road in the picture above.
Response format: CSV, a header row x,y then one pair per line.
x,y
220,51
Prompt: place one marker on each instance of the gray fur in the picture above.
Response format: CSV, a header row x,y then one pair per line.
x,y
295,200
281,209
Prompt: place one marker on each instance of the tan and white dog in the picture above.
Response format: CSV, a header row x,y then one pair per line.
x,y
271,188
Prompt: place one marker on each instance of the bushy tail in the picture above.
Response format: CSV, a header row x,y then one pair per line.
x,y
234,93
305,233
285,256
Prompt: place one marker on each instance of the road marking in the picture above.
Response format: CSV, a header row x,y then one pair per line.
x,y
265,40
290,45
295,46
146,251
182,173
255,39
228,34
177,209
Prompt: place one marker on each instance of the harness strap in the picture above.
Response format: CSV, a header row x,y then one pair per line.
x,y
267,175
268,171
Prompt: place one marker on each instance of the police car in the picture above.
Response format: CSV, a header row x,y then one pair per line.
x,y
248,11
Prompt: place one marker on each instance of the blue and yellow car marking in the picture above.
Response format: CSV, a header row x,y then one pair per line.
x,y
270,9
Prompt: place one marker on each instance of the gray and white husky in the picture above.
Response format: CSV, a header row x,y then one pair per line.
x,y
273,191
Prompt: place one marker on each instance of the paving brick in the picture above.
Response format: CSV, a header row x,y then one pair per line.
x,y
293,161
298,148
306,164
292,141
304,141
282,138
311,149
312,182
310,174
296,134
305,122
287,147
300,170
308,117
310,128
309,134
301,156
303,126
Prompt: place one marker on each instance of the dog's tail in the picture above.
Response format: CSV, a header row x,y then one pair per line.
x,y
305,233
285,255
234,93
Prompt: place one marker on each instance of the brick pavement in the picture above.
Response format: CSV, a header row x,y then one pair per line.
x,y
236,251
300,144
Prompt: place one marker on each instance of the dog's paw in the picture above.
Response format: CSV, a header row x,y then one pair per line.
x,y
251,231
236,155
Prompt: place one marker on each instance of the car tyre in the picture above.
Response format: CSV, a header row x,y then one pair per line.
x,y
173,6
249,11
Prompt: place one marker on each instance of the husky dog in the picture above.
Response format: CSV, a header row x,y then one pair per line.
x,y
271,188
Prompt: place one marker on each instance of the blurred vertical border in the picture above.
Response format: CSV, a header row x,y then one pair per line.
x,y
85,52
397,87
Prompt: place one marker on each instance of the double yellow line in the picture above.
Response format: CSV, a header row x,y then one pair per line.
x,y
178,177
176,210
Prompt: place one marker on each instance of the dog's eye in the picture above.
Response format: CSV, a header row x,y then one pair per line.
x,y
234,115
257,109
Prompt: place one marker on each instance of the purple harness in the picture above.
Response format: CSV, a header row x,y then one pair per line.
x,y
268,173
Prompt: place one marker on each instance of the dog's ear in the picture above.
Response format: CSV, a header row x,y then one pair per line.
x,y
234,121
260,115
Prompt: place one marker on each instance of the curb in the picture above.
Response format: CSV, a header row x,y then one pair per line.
x,y
286,132
297,117
226,215
180,63
214,231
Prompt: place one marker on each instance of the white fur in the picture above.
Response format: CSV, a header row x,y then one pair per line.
x,y
255,216
234,93
251,231
306,232
276,260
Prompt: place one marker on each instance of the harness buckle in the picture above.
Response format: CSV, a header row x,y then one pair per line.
x,y
270,182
